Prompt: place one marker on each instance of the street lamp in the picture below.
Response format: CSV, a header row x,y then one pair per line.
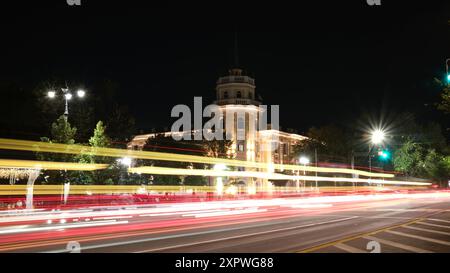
x,y
219,181
51,94
67,96
377,137
126,161
304,160
81,93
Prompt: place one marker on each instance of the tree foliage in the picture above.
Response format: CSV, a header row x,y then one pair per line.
x,y
329,141
61,132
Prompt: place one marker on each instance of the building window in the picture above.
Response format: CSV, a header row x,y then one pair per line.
x,y
241,124
225,95
238,94
241,148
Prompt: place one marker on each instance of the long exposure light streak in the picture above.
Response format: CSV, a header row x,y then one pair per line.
x,y
49,190
48,165
263,175
36,146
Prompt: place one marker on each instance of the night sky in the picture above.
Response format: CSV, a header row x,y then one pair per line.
x,y
322,63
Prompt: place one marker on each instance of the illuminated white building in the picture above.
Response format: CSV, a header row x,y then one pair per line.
x,y
235,93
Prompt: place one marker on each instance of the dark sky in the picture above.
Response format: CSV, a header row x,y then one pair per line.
x,y
322,63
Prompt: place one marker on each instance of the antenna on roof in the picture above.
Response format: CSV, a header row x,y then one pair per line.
x,y
236,53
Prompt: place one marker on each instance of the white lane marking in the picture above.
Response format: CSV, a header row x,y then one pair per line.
x,y
418,237
397,245
108,218
432,225
188,234
181,212
438,220
244,235
349,248
427,230
223,213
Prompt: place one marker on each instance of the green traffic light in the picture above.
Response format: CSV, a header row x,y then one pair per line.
x,y
384,155
448,77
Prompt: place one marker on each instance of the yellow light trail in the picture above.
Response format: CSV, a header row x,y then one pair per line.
x,y
36,146
21,190
49,165
266,175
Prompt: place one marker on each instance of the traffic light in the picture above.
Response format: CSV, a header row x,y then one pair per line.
x,y
384,155
448,78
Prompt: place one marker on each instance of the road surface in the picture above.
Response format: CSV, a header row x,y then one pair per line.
x,y
382,223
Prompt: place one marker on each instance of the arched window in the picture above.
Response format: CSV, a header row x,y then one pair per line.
x,y
238,94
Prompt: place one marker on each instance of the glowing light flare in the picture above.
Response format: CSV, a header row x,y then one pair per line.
x,y
51,94
81,93
377,136
304,160
126,161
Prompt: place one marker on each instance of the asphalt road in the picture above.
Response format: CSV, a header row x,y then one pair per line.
x,y
395,224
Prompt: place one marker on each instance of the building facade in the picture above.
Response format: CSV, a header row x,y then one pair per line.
x,y
235,94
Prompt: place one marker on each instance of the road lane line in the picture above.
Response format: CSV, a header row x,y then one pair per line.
x,y
203,233
438,220
432,225
428,230
349,248
145,232
419,237
397,245
246,235
357,236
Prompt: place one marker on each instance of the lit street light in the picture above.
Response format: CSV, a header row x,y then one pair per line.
x,y
304,161
67,96
377,136
81,93
126,161
51,94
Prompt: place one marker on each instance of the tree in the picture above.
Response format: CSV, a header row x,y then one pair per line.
x,y
408,158
330,141
415,159
195,181
61,132
435,166
166,180
217,148
99,139
444,104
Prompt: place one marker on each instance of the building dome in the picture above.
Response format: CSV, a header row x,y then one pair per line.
x,y
236,88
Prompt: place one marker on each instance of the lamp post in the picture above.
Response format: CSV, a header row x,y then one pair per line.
x,y
219,180
377,137
446,70
304,160
67,97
